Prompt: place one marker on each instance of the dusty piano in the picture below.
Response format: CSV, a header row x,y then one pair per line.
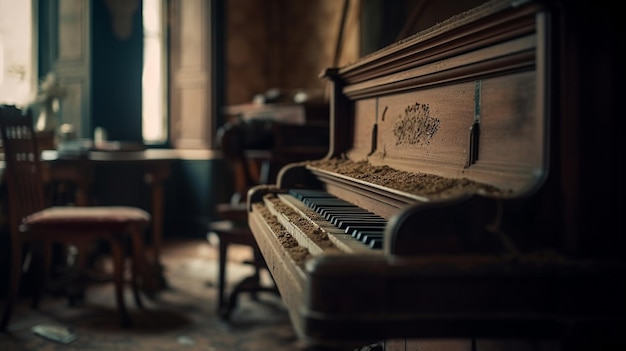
x,y
443,208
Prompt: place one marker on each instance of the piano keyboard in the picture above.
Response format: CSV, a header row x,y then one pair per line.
x,y
365,226
350,228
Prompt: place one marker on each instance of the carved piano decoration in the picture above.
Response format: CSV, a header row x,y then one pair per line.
x,y
440,209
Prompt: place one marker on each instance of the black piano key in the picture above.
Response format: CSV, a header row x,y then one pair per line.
x,y
345,223
363,234
354,230
309,196
332,213
349,212
358,235
368,237
376,244
340,210
307,193
358,216
316,204
330,202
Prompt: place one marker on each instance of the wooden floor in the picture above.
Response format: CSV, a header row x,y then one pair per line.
x,y
181,317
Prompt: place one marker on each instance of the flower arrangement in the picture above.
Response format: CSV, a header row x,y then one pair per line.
x,y
49,98
50,90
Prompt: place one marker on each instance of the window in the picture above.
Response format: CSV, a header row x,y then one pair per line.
x,y
154,92
18,64
187,73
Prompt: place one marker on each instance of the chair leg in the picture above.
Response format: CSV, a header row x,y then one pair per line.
x,y
14,283
35,267
41,264
138,267
223,248
118,278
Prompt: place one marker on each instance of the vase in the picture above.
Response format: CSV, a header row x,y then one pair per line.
x,y
47,120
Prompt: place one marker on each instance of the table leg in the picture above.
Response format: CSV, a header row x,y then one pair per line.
x,y
155,179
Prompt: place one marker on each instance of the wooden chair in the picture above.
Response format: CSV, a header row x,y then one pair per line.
x,y
232,227
35,226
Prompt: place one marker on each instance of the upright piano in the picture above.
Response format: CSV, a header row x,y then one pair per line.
x,y
455,201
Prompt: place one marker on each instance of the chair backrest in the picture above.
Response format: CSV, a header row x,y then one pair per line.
x,y
231,141
22,172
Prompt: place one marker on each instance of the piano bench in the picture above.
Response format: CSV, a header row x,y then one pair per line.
x,y
234,232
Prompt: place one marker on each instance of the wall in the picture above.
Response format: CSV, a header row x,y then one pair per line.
x,y
284,44
17,74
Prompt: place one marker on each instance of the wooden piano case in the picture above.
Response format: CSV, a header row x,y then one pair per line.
x,y
476,99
